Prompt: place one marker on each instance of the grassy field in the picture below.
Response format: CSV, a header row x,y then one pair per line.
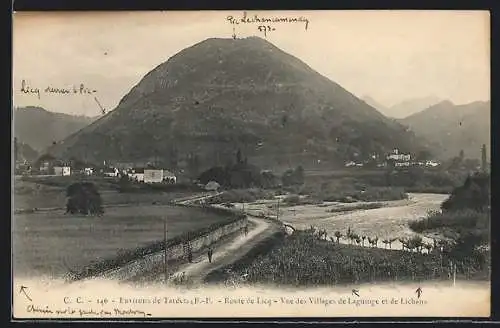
x,y
51,243
29,194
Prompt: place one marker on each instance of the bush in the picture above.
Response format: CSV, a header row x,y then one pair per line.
x,y
381,194
292,199
368,206
458,223
241,196
474,194
293,177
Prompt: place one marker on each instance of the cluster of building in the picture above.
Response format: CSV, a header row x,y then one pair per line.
x,y
53,167
395,158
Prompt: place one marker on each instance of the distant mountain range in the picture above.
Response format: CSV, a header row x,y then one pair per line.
x,y
405,108
221,95
454,127
39,128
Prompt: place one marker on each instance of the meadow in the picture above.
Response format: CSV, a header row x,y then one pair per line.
x,y
50,192
51,243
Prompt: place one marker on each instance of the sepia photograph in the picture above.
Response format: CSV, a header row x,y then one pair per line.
x,y
251,164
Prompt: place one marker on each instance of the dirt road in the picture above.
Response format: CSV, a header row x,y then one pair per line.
x,y
225,254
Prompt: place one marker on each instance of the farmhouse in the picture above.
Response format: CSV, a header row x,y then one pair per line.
x,y
62,170
136,174
154,175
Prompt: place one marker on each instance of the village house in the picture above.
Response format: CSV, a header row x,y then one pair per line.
x,y
155,175
88,171
152,175
62,170
46,167
398,157
431,163
136,174
111,172
23,167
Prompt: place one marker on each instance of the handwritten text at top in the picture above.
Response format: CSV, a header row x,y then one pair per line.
x,y
265,23
74,90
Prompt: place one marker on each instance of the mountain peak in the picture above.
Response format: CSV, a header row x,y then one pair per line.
x,y
223,94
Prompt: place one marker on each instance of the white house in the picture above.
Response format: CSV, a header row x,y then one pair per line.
x,y
431,163
401,164
153,175
62,170
136,174
88,171
396,156
350,163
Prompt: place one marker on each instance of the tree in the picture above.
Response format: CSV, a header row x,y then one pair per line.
x,y
238,157
474,194
124,184
193,162
461,155
338,235
483,158
83,198
424,155
173,157
299,174
293,177
15,150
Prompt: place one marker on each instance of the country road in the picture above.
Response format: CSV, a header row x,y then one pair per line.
x,y
227,253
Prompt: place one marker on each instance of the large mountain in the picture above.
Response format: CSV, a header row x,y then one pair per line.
x,y
454,127
223,94
39,128
405,108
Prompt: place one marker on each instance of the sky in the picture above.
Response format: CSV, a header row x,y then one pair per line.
x,y
390,56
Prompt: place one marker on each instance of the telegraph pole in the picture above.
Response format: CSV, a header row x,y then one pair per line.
x,y
278,210
165,249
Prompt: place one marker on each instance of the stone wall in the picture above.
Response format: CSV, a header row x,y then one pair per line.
x,y
147,263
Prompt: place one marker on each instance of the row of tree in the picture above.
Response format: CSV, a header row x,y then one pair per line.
x,y
245,175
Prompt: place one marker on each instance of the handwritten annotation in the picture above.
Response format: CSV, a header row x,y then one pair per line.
x,y
80,90
265,24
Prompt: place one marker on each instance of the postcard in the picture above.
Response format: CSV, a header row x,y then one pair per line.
x,y
251,164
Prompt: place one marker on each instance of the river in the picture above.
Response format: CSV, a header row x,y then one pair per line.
x,y
390,221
